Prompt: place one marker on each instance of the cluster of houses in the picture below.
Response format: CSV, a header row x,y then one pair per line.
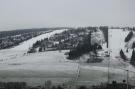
x,y
68,39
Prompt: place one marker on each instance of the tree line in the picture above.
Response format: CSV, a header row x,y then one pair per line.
x,y
83,48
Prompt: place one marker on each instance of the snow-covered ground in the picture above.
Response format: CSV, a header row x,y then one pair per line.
x,y
40,66
116,40
98,72
19,50
37,67
16,65
116,43
27,44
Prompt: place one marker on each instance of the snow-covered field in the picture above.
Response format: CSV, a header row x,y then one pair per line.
x,y
39,66
52,65
15,65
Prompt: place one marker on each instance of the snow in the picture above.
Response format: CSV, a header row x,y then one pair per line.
x,y
97,72
40,62
18,51
116,40
116,43
27,44
15,59
30,68
17,66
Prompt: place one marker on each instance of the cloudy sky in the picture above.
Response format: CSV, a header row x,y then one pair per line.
x,y
18,14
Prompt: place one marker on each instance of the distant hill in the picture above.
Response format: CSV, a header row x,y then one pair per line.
x,y
21,31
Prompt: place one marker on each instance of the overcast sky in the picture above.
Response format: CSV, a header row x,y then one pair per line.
x,y
18,14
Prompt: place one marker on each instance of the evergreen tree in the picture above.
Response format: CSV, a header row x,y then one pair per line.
x,y
81,48
122,55
44,48
129,36
133,57
127,50
32,50
99,47
40,49
133,45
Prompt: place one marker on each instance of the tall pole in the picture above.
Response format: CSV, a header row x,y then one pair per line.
x,y
109,69
108,59
108,37
127,77
89,38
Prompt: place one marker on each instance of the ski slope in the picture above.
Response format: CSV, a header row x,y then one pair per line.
x,y
36,68
116,40
15,65
27,44
23,47
95,73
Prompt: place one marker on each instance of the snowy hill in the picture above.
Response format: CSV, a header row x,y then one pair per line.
x,y
52,65
27,44
17,66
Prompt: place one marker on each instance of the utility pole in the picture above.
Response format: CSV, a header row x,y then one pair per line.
x,y
109,58
127,77
89,45
108,69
